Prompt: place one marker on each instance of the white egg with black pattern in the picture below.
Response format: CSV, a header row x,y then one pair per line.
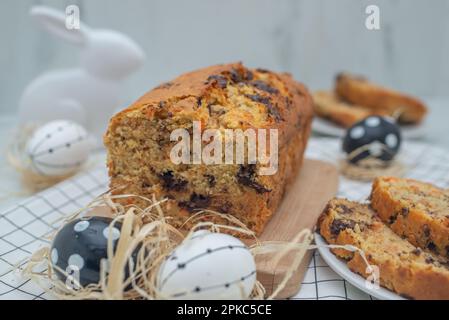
x,y
58,148
377,137
208,265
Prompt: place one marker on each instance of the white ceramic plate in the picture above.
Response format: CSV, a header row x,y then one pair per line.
x,y
343,271
329,128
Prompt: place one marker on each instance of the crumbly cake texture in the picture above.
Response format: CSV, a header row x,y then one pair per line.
x,y
329,106
415,210
403,268
358,90
228,96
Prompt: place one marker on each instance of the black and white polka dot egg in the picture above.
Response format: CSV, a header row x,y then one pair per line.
x,y
377,137
80,248
58,148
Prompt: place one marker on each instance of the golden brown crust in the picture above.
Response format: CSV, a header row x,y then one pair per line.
x,y
403,268
359,91
415,210
220,97
292,104
327,105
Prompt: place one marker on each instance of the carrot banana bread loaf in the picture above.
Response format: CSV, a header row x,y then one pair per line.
x,y
359,91
329,106
415,210
221,97
403,268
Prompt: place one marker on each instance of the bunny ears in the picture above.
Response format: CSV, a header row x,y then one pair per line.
x,y
55,22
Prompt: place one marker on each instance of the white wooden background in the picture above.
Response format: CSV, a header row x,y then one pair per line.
x,y
313,39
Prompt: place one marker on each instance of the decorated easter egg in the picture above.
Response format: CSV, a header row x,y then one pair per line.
x,y
376,136
208,266
80,248
58,148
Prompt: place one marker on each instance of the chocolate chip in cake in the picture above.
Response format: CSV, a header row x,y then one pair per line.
x,y
197,201
405,211
272,110
225,207
430,260
432,247
165,85
236,76
417,251
339,225
426,231
170,182
247,176
221,80
258,98
247,172
344,209
392,219
210,179
259,84
199,101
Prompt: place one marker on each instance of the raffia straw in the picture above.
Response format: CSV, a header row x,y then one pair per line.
x,y
369,168
153,241
235,225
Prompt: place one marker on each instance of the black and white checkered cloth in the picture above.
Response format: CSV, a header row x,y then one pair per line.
x,y
24,227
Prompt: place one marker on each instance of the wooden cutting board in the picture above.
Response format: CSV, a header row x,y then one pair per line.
x,y
303,203
305,199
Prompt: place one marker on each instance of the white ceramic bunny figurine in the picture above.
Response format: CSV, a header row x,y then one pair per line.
x,y
90,93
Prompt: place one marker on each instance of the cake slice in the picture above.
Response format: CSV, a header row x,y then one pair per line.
x,y
358,90
403,268
414,210
327,105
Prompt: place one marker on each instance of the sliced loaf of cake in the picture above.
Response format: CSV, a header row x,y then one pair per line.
x,y
328,106
403,268
415,210
227,100
360,91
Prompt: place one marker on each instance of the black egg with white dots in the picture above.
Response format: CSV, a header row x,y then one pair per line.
x,y
377,137
80,247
